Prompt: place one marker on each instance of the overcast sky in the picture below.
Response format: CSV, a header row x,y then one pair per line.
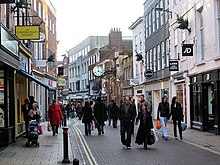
x,y
79,19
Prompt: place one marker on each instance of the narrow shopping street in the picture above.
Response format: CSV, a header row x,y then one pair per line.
x,y
107,149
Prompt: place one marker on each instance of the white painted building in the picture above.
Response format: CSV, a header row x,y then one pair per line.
x,y
138,66
197,83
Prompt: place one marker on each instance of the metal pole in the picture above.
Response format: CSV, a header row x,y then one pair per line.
x,y
65,145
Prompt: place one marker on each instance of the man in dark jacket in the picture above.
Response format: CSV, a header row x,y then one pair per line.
x,y
127,114
100,114
140,102
163,114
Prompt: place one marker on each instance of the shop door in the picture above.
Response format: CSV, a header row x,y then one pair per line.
x,y
209,109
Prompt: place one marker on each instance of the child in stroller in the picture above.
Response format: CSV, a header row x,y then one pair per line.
x,y
33,132
34,126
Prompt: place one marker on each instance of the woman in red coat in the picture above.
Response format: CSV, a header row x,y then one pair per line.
x,y
54,116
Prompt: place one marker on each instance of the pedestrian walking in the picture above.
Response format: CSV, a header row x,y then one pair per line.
x,y
109,113
145,126
132,128
79,110
163,115
68,110
25,110
54,116
113,112
100,115
177,116
140,102
87,117
32,101
127,114
35,113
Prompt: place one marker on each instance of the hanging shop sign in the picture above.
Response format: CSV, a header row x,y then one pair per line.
x,y
61,82
28,32
173,65
187,50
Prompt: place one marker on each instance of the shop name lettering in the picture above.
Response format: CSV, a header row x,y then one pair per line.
x,y
173,65
28,33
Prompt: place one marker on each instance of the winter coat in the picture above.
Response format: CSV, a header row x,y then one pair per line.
x,y
113,111
100,112
36,117
54,114
176,112
129,116
87,114
163,109
144,127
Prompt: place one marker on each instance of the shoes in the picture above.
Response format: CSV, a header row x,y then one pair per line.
x,y
124,146
175,138
102,132
165,138
99,133
145,147
181,138
128,147
56,132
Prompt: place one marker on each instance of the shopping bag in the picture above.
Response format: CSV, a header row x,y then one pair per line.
x,y
49,127
41,130
155,135
183,126
151,140
158,124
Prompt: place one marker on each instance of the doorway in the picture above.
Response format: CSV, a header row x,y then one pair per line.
x,y
209,108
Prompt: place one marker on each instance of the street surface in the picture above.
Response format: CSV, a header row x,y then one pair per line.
x,y
107,150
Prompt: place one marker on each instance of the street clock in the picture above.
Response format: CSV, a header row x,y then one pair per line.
x,y
98,71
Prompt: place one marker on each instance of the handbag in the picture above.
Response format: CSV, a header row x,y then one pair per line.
x,y
158,124
183,126
41,129
49,127
151,140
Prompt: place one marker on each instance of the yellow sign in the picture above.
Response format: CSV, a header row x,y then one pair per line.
x,y
61,82
28,32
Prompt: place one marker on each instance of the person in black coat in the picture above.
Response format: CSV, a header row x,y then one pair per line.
x,y
87,117
127,114
113,112
146,124
25,109
177,116
100,115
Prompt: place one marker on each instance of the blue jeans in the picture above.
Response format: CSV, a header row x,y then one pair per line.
x,y
163,121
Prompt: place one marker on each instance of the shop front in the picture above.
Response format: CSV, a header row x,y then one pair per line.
x,y
9,63
204,93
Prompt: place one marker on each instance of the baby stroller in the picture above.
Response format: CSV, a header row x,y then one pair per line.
x,y
33,132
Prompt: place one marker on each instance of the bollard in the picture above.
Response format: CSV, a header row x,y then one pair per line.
x,y
75,161
65,145
65,115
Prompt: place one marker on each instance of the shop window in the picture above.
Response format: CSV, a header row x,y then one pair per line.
x,y
197,113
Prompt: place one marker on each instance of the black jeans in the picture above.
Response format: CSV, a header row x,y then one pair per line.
x,y
100,126
87,128
179,127
55,128
126,128
115,123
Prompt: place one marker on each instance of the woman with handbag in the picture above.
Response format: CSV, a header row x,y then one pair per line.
x,y
177,116
54,116
145,126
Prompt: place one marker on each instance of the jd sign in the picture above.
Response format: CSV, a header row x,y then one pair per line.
x,y
187,50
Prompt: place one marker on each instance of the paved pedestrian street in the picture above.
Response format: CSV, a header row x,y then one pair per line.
x,y
107,150
197,148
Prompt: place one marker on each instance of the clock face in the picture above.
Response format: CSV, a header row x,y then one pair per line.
x,y
98,71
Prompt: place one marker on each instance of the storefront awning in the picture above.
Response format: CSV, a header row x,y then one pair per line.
x,y
37,80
